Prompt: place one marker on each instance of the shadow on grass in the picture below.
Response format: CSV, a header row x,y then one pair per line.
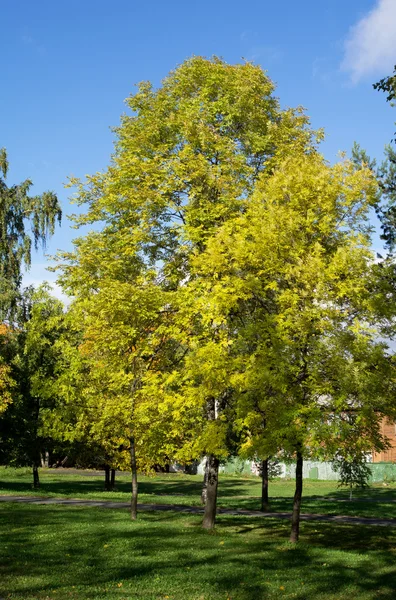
x,y
185,490
58,484
45,551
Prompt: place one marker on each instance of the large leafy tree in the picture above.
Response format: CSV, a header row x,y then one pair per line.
x,y
24,221
287,288
186,161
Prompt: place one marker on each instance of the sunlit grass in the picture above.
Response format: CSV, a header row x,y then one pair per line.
x,y
322,497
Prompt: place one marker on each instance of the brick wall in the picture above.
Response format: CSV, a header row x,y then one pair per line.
x,y
388,429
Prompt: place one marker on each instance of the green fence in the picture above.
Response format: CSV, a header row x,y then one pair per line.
x,y
383,472
236,466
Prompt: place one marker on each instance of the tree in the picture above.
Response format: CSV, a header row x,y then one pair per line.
x,y
353,470
385,205
288,286
186,161
108,388
386,175
24,220
32,361
388,86
268,469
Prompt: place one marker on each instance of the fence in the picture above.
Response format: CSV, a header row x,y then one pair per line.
x,y
311,470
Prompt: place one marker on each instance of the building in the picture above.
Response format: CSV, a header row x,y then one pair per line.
x,y
388,430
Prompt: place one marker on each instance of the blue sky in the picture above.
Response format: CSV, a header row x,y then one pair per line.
x,y
68,66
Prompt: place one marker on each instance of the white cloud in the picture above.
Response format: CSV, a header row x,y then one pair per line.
x,y
370,47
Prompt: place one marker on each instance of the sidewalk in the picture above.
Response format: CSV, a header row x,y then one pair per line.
x,y
198,510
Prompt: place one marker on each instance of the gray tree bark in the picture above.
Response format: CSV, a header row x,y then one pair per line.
x,y
204,492
211,498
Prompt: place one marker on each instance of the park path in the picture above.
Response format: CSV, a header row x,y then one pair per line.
x,y
198,510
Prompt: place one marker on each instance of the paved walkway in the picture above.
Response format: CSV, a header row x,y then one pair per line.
x,y
198,510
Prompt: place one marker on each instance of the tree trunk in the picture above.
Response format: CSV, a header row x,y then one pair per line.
x,y
112,479
107,478
134,497
36,479
295,528
211,493
264,485
204,493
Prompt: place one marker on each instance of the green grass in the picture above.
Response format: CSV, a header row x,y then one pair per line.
x,y
56,552
322,497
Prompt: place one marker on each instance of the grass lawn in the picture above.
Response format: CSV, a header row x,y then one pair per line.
x,y
57,552
234,492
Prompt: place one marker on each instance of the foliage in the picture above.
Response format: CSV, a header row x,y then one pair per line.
x,y
230,291
287,286
186,162
274,468
32,361
18,211
353,471
388,86
386,172
7,384
385,206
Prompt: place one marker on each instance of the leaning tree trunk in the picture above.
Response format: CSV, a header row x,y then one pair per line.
x,y
36,479
295,528
264,485
204,493
134,497
211,492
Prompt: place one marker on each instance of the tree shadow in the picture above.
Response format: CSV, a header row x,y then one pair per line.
x,y
235,493
47,548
